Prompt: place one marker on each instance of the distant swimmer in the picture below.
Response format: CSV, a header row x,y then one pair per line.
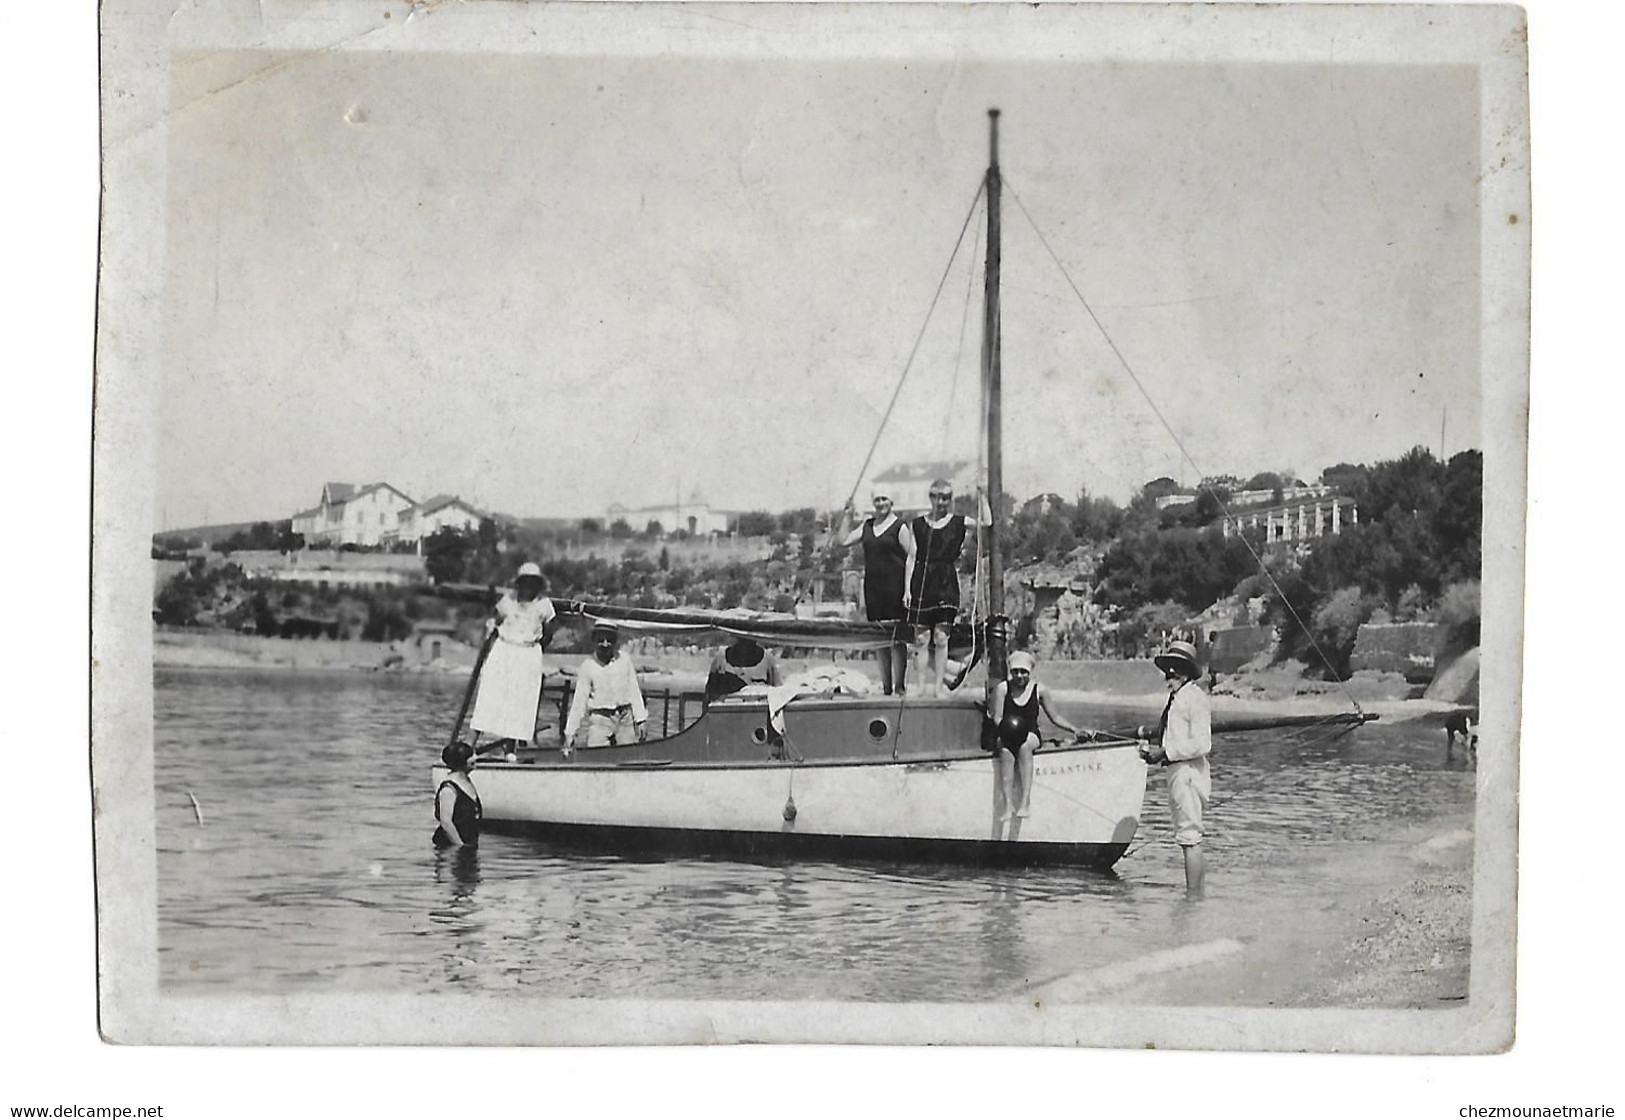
x,y
1460,723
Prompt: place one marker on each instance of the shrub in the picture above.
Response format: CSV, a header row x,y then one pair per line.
x,y
1459,611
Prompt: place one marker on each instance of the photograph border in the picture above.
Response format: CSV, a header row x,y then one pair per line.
x,y
137,39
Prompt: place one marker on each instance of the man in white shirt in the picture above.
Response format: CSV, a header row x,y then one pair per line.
x,y
1183,742
607,697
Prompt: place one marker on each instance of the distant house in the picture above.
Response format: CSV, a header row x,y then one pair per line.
x,y
1241,498
443,511
909,484
694,516
350,514
307,521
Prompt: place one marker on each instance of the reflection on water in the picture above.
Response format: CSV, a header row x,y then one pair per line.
x,y
312,869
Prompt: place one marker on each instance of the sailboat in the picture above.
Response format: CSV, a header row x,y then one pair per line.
x,y
840,776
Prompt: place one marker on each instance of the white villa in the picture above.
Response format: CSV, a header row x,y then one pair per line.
x,y
443,511
909,484
379,515
349,514
694,516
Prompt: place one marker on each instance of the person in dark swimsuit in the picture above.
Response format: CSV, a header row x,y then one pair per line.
x,y
741,664
932,600
1014,709
457,809
888,554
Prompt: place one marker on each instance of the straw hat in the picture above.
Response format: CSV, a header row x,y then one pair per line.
x,y
606,626
532,571
1181,656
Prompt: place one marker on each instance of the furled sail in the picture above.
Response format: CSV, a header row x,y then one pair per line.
x,y
766,628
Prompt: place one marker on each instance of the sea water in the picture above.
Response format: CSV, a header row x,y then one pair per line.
x,y
294,813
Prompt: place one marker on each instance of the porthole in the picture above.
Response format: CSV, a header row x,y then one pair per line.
x,y
759,736
879,729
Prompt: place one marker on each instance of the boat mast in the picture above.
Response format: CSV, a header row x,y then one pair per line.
x,y
991,387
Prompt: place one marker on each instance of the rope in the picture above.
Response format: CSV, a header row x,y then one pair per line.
x,y
1183,450
1323,736
902,377
959,355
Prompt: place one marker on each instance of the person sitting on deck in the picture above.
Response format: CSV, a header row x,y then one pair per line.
x,y
741,664
607,698
457,808
1014,709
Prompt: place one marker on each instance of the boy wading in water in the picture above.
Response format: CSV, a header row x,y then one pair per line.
x,y
1182,743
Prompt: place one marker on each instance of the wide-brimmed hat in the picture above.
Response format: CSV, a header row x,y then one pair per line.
x,y
530,571
1022,660
1181,656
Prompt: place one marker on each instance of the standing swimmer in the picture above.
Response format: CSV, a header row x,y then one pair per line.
x,y
932,596
1182,743
888,557
1014,710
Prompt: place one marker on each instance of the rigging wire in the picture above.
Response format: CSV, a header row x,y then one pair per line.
x,y
1183,450
959,354
902,377
913,612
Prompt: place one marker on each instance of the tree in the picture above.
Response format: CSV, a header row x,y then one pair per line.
x,y
177,602
1192,567
654,530
265,620
1210,505
1460,610
1337,623
446,553
619,529
1143,630
1095,520
1458,524
1346,478
1408,486
755,523
1042,530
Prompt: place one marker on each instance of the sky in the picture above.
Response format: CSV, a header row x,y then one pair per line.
x,y
550,284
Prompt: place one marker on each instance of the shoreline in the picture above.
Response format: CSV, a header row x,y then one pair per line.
x,y
1126,688
1405,945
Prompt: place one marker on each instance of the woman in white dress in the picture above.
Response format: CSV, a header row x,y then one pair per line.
x,y
510,686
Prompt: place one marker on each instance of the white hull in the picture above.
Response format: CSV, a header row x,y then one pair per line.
x,y
1085,805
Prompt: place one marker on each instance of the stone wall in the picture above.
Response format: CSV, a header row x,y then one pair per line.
x,y
1409,648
